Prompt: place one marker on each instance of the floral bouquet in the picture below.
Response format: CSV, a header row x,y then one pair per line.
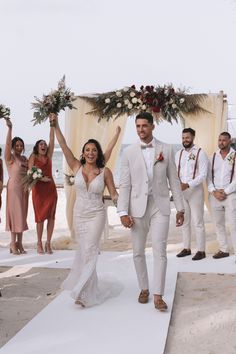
x,y
54,102
70,179
31,178
4,112
164,102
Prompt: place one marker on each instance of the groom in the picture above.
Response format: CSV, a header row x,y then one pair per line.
x,y
147,170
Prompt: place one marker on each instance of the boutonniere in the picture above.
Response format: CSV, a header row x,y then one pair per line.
x,y
191,157
230,158
159,158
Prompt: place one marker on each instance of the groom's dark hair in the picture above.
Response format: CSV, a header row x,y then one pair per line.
x,y
189,130
145,115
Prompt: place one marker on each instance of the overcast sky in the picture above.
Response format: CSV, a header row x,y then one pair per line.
x,y
105,44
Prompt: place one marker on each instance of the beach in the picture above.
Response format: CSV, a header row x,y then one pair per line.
x,y
194,293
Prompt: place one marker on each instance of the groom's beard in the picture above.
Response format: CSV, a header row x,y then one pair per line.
x,y
188,145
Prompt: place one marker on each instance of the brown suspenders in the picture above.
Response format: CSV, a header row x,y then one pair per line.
x,y
212,169
195,166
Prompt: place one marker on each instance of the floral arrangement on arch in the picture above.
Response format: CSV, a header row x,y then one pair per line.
x,y
54,102
165,103
4,112
32,176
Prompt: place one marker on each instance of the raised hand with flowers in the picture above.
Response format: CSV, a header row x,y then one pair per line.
x,y
54,102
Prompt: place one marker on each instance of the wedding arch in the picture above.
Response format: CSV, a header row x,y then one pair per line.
x,y
97,116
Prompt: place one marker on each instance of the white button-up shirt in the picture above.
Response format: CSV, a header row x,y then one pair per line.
x,y
222,173
148,155
187,165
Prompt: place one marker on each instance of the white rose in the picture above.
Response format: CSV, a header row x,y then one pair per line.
x,y
132,94
126,102
35,175
39,170
182,100
126,89
139,100
174,105
134,100
39,175
118,105
107,100
144,107
130,105
118,94
29,172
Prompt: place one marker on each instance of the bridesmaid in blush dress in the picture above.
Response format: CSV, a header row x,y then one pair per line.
x,y
17,197
44,193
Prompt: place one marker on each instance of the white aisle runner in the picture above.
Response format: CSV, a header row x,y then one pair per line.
x,y
119,325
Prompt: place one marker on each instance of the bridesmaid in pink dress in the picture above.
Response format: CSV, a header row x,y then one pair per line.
x,y
17,198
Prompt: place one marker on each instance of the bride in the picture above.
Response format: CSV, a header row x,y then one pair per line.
x,y
91,177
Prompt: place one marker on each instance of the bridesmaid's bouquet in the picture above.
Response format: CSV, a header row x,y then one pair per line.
x,y
54,102
32,176
4,112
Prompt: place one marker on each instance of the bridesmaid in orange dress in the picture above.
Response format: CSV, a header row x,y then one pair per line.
x,y
44,193
17,197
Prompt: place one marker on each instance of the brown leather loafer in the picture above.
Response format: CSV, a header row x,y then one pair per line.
x,y
220,254
199,255
143,296
160,305
184,253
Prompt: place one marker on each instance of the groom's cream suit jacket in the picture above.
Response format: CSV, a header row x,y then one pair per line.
x,y
133,190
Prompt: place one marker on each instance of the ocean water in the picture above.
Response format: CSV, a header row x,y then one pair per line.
x,y
57,162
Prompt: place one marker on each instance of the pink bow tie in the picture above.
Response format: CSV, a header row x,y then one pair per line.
x,y
147,146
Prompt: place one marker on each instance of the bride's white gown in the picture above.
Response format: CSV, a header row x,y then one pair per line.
x,y
89,220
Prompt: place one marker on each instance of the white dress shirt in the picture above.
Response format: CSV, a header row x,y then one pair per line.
x,y
222,173
148,155
187,165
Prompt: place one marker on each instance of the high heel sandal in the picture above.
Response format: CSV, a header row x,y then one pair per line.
x,y
14,249
40,248
48,249
20,248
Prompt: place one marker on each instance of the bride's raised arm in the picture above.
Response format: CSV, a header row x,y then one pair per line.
x,y
73,163
112,143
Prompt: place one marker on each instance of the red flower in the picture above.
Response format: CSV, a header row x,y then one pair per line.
x,y
156,109
159,158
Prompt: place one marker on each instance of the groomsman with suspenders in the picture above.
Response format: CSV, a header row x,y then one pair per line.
x,y
222,189
192,166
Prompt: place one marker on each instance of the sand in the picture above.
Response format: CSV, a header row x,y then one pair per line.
x,y
204,315
204,304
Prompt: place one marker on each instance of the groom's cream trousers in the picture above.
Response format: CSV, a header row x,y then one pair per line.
x,y
157,225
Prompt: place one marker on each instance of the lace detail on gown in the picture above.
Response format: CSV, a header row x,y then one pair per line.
x,y
89,220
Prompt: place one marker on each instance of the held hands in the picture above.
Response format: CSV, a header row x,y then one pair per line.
x,y
179,218
127,221
184,186
220,194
